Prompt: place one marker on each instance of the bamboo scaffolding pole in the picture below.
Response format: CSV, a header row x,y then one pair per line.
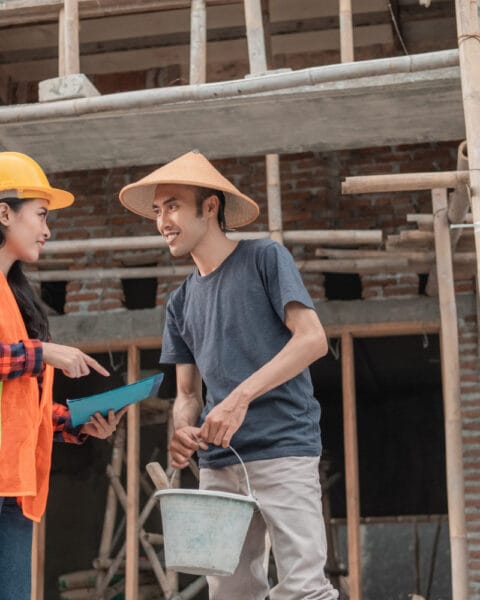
x,y
457,213
71,47
451,398
349,237
339,237
412,256
415,261
142,535
133,480
256,20
274,199
38,560
404,182
172,576
198,42
426,220
352,487
346,31
468,30
105,548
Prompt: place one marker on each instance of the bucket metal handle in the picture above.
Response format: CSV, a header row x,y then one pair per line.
x,y
244,470
249,489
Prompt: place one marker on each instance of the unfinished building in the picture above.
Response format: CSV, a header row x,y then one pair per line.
x,y
290,100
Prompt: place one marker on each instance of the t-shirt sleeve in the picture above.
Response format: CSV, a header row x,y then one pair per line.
x,y
174,348
282,279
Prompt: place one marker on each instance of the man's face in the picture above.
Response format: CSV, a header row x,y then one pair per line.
x,y
177,218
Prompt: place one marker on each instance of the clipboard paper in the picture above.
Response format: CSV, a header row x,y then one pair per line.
x,y
81,409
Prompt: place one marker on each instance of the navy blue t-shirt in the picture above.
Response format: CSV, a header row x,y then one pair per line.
x,y
230,323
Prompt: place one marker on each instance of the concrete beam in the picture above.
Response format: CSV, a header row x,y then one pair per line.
x,y
374,111
112,327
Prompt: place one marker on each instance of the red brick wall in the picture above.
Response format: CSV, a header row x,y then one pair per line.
x,y
311,199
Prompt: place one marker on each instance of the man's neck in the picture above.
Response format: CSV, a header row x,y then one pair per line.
x,y
212,252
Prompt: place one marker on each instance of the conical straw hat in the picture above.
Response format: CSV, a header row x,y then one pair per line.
x,y
190,169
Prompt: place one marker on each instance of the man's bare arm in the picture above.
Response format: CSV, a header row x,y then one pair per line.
x,y
186,410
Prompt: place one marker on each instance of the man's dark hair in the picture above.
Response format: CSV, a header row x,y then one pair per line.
x,y
201,194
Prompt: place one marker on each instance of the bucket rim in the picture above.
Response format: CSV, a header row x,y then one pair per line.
x,y
213,493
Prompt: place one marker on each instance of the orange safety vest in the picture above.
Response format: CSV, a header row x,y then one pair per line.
x,y
26,435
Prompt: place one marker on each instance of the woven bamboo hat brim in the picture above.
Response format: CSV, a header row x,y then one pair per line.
x,y
190,169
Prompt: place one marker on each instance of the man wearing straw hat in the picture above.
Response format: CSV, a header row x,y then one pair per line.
x,y
243,323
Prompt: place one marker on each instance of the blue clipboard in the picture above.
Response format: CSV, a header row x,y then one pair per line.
x,y
81,409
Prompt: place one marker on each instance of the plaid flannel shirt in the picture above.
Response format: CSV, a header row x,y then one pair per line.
x,y
26,358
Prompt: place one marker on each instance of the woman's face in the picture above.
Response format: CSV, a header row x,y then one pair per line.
x,y
25,230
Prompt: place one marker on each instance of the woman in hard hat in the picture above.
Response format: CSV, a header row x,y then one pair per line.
x,y
29,420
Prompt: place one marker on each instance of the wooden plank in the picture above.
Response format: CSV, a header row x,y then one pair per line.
x,y
24,11
168,23
133,481
373,330
352,487
451,398
222,51
38,560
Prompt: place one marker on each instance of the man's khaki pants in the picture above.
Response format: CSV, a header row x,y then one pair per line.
x,y
289,495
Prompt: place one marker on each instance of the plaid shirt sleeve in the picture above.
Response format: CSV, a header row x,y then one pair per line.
x,y
23,358
62,426
26,358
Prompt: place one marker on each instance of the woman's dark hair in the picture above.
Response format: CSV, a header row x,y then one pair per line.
x,y
202,194
33,313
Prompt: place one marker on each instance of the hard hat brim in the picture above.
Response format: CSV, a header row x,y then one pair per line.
x,y
55,197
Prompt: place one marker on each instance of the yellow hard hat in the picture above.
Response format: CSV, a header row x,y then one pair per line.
x,y
22,177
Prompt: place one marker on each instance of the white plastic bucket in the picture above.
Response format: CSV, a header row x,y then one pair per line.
x,y
204,530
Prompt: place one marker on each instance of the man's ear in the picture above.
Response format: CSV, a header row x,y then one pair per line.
x,y
4,214
212,203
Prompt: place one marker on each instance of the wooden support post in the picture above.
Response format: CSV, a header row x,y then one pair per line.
x,y
351,467
61,42
451,397
71,39
172,576
274,198
468,30
457,213
255,36
198,42
133,481
38,560
346,31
